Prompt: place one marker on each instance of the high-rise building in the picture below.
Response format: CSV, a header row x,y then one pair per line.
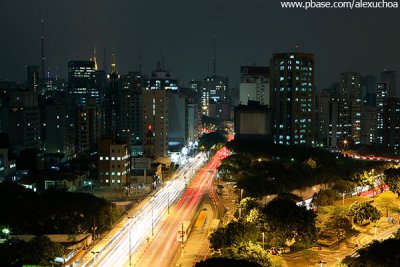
x,y
382,94
213,92
292,97
33,78
369,89
56,129
350,102
390,78
112,106
86,129
322,103
391,123
156,117
161,80
368,125
253,122
131,117
114,163
20,120
81,82
177,124
254,84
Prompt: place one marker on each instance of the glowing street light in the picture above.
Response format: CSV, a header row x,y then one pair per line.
x,y
6,232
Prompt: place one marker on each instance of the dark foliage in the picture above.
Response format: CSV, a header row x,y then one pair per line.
x,y
218,262
39,251
26,212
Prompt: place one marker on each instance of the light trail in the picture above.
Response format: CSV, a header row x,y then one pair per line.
x,y
116,251
163,249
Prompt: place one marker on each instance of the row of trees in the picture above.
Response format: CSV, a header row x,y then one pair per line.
x,y
276,224
39,251
26,212
274,169
281,222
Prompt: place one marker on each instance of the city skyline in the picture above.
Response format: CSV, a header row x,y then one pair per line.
x,y
244,36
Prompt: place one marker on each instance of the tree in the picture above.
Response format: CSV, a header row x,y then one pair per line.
x,y
333,220
210,139
392,179
344,187
248,251
324,197
364,211
254,216
380,254
217,262
286,220
40,250
248,203
234,233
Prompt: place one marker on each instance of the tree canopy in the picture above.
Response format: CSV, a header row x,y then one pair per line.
x,y
324,197
285,220
26,212
210,139
40,250
334,220
380,254
364,211
392,179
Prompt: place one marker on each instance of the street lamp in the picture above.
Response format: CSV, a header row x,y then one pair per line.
x,y
6,232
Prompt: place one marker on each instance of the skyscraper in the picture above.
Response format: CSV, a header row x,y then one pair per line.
x,y
391,123
292,97
81,81
390,78
382,93
156,118
254,84
33,78
131,117
350,102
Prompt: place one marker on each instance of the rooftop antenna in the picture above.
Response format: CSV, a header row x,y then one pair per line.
x,y
214,58
296,48
95,58
113,64
104,61
43,76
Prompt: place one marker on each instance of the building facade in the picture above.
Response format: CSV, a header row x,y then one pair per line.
x,y
292,98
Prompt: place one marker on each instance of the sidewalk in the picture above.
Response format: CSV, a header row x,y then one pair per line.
x,y
196,247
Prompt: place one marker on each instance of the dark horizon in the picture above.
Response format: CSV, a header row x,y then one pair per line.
x,y
341,40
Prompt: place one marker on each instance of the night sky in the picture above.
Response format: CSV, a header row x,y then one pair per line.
x,y
247,31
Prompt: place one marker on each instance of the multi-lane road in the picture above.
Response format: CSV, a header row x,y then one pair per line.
x,y
163,249
117,248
